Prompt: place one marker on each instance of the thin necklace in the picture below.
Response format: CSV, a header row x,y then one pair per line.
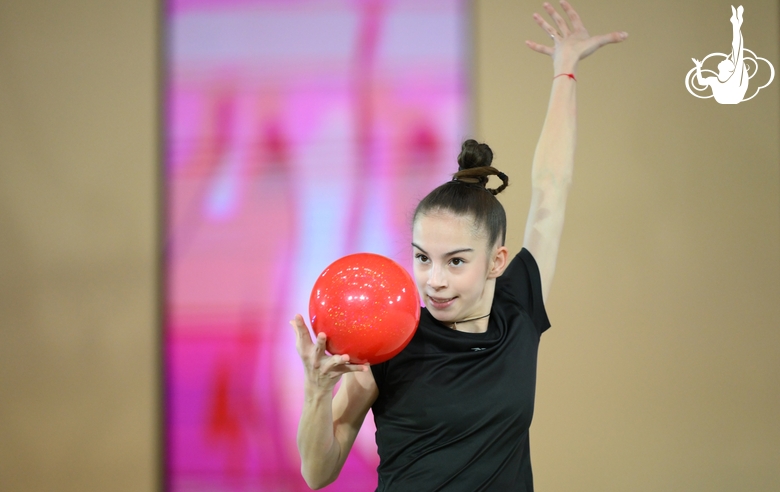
x,y
455,323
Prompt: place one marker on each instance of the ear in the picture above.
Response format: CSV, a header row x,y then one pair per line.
x,y
498,262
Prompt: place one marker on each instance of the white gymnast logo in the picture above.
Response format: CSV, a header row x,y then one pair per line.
x,y
734,72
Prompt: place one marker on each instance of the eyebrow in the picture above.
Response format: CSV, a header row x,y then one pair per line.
x,y
453,252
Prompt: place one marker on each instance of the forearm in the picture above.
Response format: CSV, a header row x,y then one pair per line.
x,y
553,164
551,177
317,443
554,156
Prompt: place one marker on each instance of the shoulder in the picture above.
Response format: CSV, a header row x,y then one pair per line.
x,y
521,283
521,277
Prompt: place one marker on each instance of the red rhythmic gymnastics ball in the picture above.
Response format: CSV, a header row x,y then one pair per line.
x,y
368,307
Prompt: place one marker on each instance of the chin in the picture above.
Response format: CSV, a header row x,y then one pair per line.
x,y
444,315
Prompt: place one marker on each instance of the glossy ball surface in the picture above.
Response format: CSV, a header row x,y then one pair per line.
x,y
367,305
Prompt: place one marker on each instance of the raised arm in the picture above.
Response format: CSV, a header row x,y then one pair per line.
x,y
553,164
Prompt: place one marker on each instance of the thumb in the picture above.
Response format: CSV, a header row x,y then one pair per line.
x,y
613,37
597,42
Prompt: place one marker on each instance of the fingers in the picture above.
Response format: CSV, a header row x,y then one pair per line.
x,y
306,348
574,17
556,17
544,25
319,349
539,48
331,364
337,365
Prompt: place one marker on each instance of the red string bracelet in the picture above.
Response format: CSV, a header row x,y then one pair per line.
x,y
570,75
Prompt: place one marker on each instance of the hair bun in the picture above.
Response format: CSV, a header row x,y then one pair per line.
x,y
474,167
474,154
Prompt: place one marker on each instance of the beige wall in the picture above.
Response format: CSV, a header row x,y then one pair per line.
x,y
661,370
78,212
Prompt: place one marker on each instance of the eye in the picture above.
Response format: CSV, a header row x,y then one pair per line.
x,y
421,258
457,261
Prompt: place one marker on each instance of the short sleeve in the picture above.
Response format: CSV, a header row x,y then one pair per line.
x,y
522,281
379,371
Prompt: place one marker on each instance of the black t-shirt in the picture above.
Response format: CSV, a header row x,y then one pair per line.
x,y
454,408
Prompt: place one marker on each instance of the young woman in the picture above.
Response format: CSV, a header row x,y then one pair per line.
x,y
453,409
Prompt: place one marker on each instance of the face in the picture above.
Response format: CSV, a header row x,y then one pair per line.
x,y
454,268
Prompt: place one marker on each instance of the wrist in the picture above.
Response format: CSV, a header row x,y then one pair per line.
x,y
314,393
569,75
565,66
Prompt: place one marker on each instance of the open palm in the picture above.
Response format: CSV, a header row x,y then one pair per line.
x,y
571,42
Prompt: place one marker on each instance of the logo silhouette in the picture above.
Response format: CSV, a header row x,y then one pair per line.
x,y
730,84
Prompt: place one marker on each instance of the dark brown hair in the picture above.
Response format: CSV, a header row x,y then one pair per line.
x,y
468,195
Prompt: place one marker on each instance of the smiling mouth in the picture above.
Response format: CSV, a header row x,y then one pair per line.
x,y
441,303
440,299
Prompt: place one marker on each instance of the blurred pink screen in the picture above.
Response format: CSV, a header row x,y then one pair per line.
x,y
296,132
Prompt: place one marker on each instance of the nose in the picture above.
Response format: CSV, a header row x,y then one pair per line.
x,y
436,278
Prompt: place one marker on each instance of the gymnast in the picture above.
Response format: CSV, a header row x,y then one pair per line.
x,y
453,409
730,85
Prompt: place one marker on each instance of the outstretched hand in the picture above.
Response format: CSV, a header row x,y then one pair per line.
x,y
570,44
322,371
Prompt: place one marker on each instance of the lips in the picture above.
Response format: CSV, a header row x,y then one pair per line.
x,y
441,302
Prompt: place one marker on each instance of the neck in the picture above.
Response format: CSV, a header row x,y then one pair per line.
x,y
475,327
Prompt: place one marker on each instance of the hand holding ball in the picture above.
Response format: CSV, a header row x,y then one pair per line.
x,y
368,307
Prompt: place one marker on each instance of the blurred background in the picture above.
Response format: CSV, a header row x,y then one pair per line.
x,y
173,178
296,133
